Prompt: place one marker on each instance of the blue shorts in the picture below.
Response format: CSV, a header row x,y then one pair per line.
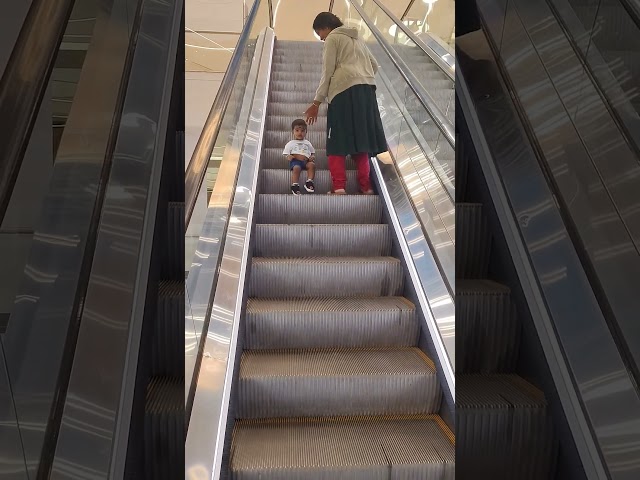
x,y
297,163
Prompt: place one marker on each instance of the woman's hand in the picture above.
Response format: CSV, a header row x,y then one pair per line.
x,y
311,114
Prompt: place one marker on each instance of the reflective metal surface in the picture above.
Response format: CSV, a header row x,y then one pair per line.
x,y
12,464
595,172
197,167
36,338
598,395
23,85
205,265
433,203
435,300
427,102
95,424
441,57
206,436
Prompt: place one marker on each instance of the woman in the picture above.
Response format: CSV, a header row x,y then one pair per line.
x,y
354,126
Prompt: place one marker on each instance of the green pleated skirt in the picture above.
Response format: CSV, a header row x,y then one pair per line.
x,y
354,124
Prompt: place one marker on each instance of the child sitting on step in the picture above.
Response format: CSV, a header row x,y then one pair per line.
x,y
301,156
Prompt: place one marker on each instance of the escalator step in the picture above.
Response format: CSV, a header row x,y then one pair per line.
x,y
330,322
291,97
369,448
488,332
293,109
307,383
322,240
164,429
283,123
167,355
279,181
325,277
504,429
325,209
472,230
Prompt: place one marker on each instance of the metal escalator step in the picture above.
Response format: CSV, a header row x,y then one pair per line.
x,y
279,181
504,429
330,322
322,240
302,67
292,109
291,97
279,138
309,383
487,326
472,231
354,448
325,209
304,76
273,158
164,428
325,277
167,355
283,123
294,85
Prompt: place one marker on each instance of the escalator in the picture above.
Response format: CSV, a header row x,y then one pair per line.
x,y
323,345
94,160
331,345
530,356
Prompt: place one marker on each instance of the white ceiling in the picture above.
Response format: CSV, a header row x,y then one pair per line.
x,y
213,26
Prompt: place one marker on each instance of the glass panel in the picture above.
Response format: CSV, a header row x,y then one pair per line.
x,y
608,38
209,220
434,19
55,195
16,230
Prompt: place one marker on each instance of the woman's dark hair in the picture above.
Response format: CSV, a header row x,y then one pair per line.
x,y
298,123
326,20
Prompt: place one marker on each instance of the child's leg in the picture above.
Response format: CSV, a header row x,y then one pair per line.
x,y
295,174
338,172
362,164
311,170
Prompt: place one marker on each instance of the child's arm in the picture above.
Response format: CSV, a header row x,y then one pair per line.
x,y
287,151
312,157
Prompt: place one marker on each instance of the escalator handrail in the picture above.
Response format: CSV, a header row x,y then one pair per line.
x,y
24,83
427,49
208,426
414,84
197,168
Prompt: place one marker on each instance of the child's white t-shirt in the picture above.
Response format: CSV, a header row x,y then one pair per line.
x,y
299,147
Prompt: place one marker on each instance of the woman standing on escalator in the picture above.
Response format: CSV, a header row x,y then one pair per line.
x,y
354,126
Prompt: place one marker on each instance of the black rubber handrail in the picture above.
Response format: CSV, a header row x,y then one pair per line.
x,y
197,169
23,84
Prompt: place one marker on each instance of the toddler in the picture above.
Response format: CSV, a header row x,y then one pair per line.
x,y
301,156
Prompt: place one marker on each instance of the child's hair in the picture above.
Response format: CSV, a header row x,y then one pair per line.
x,y
326,20
299,123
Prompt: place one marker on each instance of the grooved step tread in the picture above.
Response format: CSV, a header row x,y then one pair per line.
x,y
319,240
335,362
318,382
497,391
419,447
373,304
331,322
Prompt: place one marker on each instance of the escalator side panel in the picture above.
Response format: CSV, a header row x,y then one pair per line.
x,y
581,339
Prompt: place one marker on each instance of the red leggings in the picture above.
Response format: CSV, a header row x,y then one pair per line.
x,y
339,174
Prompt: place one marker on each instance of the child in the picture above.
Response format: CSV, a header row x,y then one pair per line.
x,y
301,156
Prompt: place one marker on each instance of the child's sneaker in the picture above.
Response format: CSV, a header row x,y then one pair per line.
x,y
295,189
309,186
